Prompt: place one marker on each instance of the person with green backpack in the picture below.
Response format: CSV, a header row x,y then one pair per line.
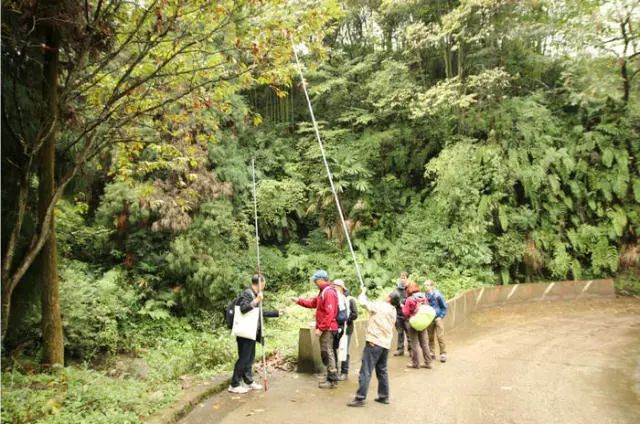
x,y
420,314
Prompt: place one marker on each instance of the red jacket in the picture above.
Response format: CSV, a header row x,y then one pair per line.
x,y
326,308
411,304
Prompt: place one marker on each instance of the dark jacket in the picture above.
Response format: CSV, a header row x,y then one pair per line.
x,y
244,302
402,296
353,314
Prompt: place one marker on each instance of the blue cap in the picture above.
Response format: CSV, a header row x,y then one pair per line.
x,y
321,273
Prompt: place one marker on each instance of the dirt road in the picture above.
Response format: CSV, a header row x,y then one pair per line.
x,y
565,362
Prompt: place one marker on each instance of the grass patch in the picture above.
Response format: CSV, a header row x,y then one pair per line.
x,y
80,396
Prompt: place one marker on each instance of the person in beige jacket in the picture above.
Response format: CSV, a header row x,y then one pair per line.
x,y
382,319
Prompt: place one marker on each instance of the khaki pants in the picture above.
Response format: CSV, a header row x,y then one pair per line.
x,y
436,330
328,355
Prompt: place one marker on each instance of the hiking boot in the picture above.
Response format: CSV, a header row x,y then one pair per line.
x,y
433,355
238,390
342,377
356,403
412,365
443,357
399,353
328,385
426,366
382,400
255,386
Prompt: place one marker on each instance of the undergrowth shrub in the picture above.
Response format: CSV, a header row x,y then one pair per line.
x,y
94,307
80,396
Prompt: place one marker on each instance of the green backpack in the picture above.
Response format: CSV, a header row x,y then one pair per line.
x,y
422,318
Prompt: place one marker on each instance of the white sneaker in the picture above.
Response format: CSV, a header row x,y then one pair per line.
x,y
238,389
255,386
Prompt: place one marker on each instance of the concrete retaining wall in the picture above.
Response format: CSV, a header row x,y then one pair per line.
x,y
461,307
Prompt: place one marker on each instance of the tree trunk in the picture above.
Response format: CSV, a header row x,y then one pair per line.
x,y
448,65
53,343
626,84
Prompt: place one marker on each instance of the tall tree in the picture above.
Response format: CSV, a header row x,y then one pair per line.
x,y
119,67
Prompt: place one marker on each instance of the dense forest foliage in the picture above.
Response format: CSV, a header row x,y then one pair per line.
x,y
474,142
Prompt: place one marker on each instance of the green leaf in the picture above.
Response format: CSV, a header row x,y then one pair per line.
x,y
607,157
502,216
636,189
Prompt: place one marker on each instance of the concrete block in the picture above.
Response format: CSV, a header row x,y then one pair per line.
x,y
309,360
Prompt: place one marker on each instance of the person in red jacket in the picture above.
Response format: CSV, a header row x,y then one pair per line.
x,y
410,308
326,305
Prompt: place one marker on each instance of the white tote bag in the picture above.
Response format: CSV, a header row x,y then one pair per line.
x,y
342,348
245,325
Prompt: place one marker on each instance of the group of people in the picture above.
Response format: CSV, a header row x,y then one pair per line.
x,y
409,298
336,312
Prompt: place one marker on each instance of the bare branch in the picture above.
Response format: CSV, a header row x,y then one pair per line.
x,y
108,58
9,254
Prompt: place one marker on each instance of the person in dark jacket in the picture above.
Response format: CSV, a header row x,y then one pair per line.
x,y
347,329
326,306
402,324
242,371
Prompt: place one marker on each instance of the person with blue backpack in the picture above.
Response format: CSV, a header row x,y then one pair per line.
x,y
436,329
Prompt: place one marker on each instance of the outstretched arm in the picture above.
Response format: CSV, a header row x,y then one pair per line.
x,y
308,303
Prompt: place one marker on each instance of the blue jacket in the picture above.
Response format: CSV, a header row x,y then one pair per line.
x,y
437,302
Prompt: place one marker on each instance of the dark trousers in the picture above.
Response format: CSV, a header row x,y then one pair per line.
x,y
373,356
402,326
243,367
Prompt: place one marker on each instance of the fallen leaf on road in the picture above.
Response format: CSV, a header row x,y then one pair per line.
x,y
506,387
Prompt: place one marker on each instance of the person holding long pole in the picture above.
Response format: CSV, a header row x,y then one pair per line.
x,y
250,299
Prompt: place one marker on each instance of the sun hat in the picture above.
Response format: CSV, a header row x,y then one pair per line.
x,y
338,282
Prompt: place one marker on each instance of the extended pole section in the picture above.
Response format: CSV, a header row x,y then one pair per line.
x,y
255,220
326,165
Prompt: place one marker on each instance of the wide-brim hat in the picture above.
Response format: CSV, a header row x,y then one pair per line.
x,y
338,282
